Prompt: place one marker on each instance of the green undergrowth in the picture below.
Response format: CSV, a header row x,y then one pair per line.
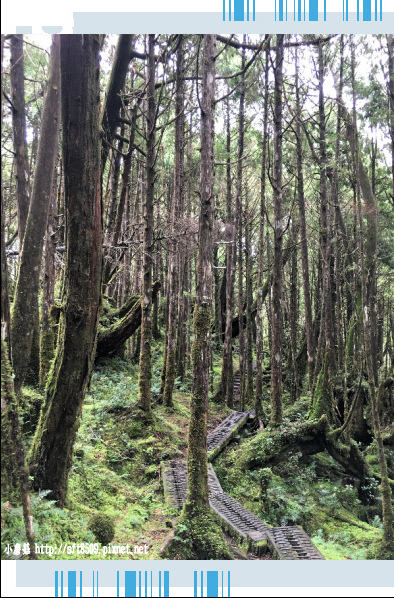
x,y
310,491
116,465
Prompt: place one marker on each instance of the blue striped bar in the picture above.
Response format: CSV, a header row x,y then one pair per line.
x,y
97,584
93,583
159,584
299,10
146,583
325,10
280,10
80,583
222,584
313,10
229,10
247,10
202,584
212,584
254,10
195,584
130,583
61,583
72,583
239,10
166,584
117,584
381,9
366,10
358,10
151,583
56,584
228,585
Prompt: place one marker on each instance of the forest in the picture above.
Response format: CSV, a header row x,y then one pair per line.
x,y
197,298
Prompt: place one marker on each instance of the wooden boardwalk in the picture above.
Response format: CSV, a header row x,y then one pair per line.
x,y
284,543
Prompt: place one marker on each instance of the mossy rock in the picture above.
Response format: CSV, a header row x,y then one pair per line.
x,y
103,527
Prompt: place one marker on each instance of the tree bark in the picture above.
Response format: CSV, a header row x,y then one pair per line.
x,y
145,372
27,286
13,443
259,308
323,397
52,450
21,161
173,258
227,381
239,227
197,463
5,301
113,99
277,285
303,238
47,336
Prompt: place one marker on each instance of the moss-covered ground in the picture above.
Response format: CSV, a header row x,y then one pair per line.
x,y
116,471
116,465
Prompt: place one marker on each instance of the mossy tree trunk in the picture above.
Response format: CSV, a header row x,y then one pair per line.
x,y
303,237
260,258
145,371
173,258
390,48
14,474
239,228
5,301
197,462
47,336
52,450
25,311
227,378
367,323
277,284
249,394
368,258
21,160
323,395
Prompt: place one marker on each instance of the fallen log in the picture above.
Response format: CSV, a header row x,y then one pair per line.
x,y
111,338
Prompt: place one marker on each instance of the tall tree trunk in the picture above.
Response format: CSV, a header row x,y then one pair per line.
x,y
303,238
5,301
47,336
145,372
173,274
13,443
241,132
52,450
390,47
113,99
227,382
277,284
197,463
249,300
260,265
367,323
21,161
323,398
27,286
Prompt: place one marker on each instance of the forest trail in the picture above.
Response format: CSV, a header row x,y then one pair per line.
x,y
284,543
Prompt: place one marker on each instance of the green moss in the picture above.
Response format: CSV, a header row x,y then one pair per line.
x,y
197,536
322,403
103,528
